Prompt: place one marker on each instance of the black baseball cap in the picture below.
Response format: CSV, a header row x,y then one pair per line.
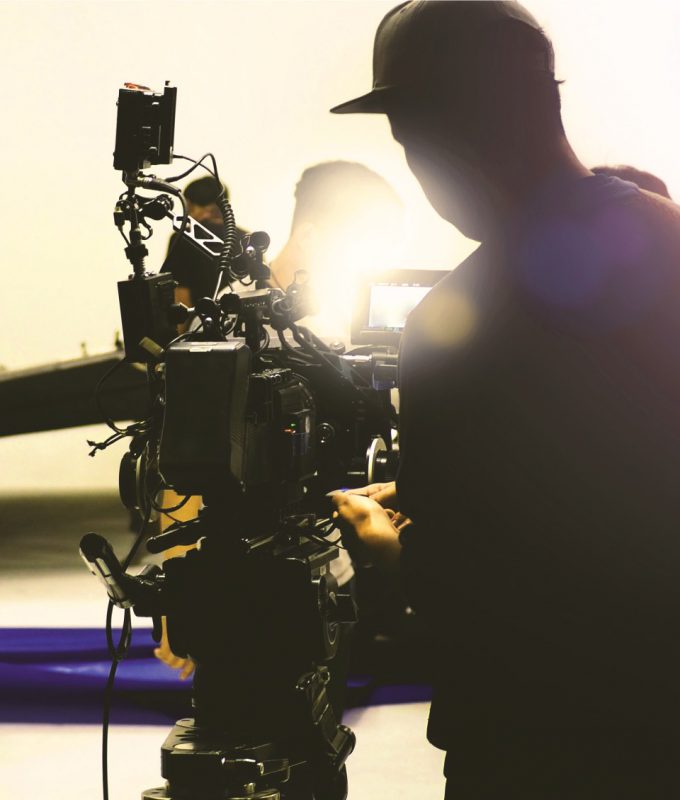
x,y
420,44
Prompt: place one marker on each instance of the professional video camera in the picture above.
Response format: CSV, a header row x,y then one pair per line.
x,y
262,433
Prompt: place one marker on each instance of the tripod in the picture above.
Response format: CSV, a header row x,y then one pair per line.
x,y
260,617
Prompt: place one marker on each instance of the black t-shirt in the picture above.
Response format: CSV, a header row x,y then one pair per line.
x,y
540,462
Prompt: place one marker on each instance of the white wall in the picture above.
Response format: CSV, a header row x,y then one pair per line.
x,y
255,80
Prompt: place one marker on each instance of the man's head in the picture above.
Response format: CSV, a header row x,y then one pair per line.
x,y
470,93
347,220
201,195
344,212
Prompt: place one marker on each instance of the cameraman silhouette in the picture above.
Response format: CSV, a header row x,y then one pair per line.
x,y
540,427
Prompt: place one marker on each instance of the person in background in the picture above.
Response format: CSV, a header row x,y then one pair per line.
x,y
347,220
645,180
539,438
193,270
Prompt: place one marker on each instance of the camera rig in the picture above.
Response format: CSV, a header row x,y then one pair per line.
x,y
262,433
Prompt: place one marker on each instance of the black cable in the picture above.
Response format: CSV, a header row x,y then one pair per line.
x,y
97,446
117,652
148,228
109,372
174,519
140,537
172,509
186,335
196,165
313,339
132,430
230,239
311,350
228,325
122,233
180,233
169,511
285,344
231,235
264,340
108,691
136,427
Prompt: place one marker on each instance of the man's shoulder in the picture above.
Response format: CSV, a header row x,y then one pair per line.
x,y
610,254
447,315
636,217
661,210
461,280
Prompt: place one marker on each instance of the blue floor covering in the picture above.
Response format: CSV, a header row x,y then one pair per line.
x,y
58,675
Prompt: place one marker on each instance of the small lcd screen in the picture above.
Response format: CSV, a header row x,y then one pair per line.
x,y
384,302
390,305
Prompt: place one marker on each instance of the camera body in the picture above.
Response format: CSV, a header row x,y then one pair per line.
x,y
261,433
224,423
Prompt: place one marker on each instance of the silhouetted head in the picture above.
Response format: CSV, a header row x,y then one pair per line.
x,y
201,195
347,220
343,208
470,92
645,180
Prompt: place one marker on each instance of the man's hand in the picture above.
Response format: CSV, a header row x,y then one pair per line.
x,y
383,493
164,653
386,495
367,529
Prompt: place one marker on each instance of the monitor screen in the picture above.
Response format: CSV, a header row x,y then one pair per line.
x,y
390,304
384,302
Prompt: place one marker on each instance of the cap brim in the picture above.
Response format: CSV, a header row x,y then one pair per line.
x,y
371,103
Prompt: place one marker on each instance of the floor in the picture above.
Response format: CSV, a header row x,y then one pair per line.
x,y
43,583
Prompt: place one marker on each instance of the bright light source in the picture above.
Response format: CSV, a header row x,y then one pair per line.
x,y
345,253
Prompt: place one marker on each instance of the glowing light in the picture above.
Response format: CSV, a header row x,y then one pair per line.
x,y
368,245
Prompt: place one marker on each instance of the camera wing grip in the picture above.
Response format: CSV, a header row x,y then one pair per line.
x,y
98,554
179,535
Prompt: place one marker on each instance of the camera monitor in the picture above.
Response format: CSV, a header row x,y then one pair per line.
x,y
145,127
385,300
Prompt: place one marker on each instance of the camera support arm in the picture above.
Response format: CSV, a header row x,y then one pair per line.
x,y
202,238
